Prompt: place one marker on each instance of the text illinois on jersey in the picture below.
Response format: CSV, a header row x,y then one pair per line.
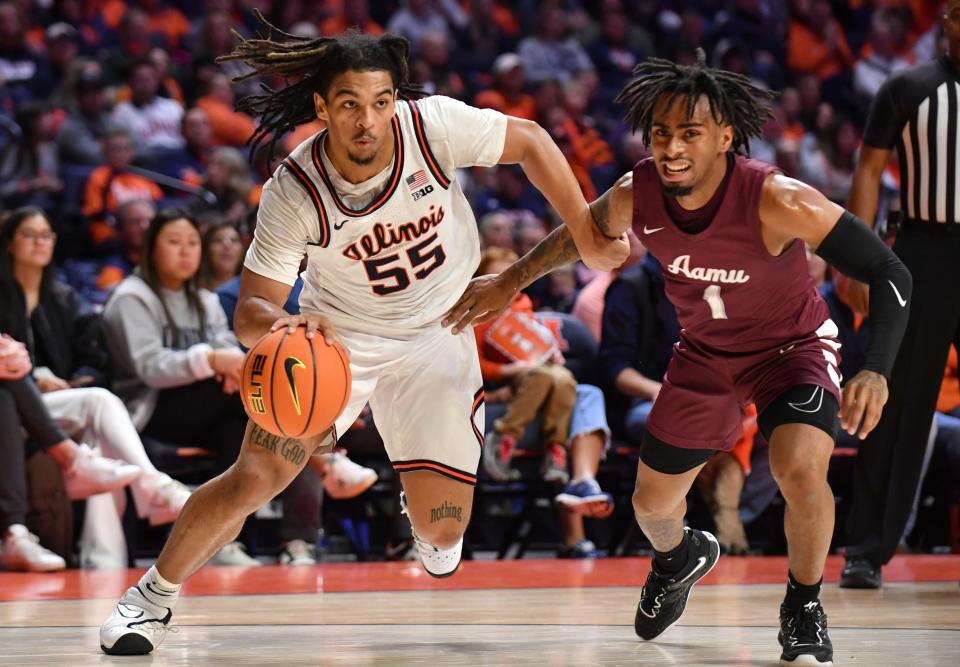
x,y
386,235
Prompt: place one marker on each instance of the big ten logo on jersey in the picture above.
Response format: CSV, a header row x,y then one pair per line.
x,y
387,272
256,384
419,185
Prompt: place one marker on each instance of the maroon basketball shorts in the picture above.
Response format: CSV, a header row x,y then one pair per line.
x,y
704,393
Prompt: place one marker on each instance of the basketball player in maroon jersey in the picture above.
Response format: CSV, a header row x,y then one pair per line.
x,y
730,234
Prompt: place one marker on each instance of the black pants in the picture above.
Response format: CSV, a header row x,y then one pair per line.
x,y
201,415
21,410
889,463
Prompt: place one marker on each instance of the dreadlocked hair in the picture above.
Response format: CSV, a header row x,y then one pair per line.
x,y
733,98
307,66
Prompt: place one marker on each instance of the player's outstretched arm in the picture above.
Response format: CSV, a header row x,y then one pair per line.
x,y
790,209
487,296
529,145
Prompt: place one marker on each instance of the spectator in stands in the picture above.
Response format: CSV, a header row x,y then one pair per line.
x,y
352,14
30,166
828,164
552,53
507,94
112,184
228,177
589,304
172,351
534,372
85,473
169,86
96,279
167,20
70,369
25,72
816,45
440,77
190,162
496,231
613,56
81,136
883,55
416,18
153,121
229,127
134,41
222,256
63,48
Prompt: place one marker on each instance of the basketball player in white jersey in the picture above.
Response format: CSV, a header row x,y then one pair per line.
x,y
391,243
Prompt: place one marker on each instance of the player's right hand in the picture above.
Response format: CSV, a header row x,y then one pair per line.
x,y
313,323
600,252
484,299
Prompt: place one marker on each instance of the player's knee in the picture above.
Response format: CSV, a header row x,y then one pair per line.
x,y
252,486
647,504
798,477
442,535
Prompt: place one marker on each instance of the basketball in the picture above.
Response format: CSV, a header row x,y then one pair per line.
x,y
295,386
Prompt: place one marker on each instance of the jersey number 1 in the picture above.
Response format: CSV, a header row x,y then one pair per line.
x,y
712,296
388,279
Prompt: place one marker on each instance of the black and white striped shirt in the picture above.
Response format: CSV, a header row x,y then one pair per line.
x,y
918,111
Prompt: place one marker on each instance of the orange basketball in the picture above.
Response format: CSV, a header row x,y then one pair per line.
x,y
294,386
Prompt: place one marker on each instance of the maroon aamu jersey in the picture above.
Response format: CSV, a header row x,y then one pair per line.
x,y
731,295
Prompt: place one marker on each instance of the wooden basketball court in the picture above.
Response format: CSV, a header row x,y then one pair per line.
x,y
529,612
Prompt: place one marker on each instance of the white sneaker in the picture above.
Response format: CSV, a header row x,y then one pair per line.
x,y
22,552
234,554
168,499
136,626
439,563
297,552
91,474
346,479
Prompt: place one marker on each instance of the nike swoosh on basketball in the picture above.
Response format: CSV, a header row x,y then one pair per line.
x,y
339,225
900,299
288,365
651,231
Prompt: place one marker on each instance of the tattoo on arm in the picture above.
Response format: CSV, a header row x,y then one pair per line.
x,y
289,448
552,252
446,511
600,209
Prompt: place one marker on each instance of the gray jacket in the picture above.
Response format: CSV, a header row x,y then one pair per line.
x,y
140,343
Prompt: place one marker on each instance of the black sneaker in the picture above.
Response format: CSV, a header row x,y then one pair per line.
x,y
663,597
860,572
803,636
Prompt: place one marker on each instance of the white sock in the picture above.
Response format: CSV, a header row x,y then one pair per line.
x,y
158,590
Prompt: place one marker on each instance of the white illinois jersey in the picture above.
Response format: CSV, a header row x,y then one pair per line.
x,y
388,256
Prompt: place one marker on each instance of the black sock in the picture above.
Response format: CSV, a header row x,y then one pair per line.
x,y
799,594
673,561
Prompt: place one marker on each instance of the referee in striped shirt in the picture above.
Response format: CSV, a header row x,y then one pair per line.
x,y
917,111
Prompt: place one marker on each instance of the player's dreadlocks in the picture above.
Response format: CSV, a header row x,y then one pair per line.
x,y
308,66
733,98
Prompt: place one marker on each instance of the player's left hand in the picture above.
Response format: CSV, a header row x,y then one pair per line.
x,y
484,299
863,398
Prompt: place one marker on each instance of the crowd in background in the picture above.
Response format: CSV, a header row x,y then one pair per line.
x,y
111,111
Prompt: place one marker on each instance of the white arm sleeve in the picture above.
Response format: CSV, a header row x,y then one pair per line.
x,y
473,137
285,224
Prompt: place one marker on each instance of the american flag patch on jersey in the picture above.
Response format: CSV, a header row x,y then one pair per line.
x,y
417,180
